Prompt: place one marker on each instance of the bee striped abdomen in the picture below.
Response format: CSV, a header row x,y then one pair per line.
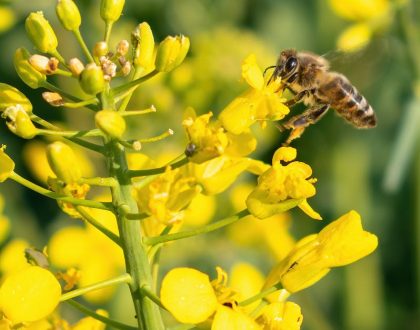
x,y
348,102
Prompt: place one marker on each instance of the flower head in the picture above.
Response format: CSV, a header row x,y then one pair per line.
x,y
260,103
340,243
282,187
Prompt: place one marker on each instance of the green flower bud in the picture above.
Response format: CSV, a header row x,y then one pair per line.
x,y
68,14
10,96
171,52
111,10
92,79
63,162
41,33
19,122
144,45
111,123
29,75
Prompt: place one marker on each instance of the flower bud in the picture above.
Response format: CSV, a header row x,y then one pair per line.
x,y
68,14
63,162
29,75
19,122
111,10
144,45
92,79
10,96
76,66
122,47
100,49
44,64
41,33
171,52
111,123
53,99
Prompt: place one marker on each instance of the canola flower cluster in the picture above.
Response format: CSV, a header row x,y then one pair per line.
x,y
144,206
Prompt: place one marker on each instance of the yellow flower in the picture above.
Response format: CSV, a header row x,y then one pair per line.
x,y
281,316
89,323
12,257
200,211
229,318
340,243
8,18
7,165
282,187
11,96
260,103
29,295
360,9
191,298
171,52
63,162
19,122
41,33
144,46
166,198
217,174
208,139
354,37
188,295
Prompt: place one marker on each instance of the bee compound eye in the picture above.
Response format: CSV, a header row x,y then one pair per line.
x,y
291,64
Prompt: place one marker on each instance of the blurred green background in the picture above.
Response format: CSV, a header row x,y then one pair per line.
x,y
376,172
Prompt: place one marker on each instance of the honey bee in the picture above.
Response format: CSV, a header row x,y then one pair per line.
x,y
308,77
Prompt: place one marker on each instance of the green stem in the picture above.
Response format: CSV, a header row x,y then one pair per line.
x,y
169,132
125,278
126,88
138,112
71,134
63,73
108,29
135,252
134,173
82,44
104,319
206,229
83,143
98,225
75,105
56,54
53,88
261,295
101,182
153,297
51,194
127,96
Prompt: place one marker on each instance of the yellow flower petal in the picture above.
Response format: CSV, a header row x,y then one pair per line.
x,y
29,295
305,207
228,318
281,316
7,165
252,73
188,295
12,258
89,323
360,9
284,154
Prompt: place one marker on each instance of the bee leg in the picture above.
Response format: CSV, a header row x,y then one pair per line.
x,y
298,97
298,123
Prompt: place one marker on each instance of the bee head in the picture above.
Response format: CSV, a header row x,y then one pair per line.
x,y
287,65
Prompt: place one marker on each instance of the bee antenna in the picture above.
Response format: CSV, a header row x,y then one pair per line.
x,y
268,68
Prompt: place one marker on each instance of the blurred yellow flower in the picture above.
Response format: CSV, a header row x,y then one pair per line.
x,y
8,18
200,211
281,316
261,103
12,257
7,165
340,243
359,10
282,187
89,251
4,222
354,37
29,295
89,323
